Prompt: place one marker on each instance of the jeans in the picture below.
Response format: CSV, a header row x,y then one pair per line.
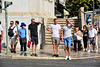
x,y
85,41
23,45
67,42
77,44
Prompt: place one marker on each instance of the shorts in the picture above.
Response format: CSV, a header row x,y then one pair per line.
x,y
91,41
67,42
34,40
13,41
55,40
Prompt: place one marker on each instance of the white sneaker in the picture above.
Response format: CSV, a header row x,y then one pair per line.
x,y
66,58
96,50
89,51
83,49
69,58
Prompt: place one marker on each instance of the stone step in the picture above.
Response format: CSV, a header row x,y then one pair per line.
x,y
48,40
62,22
51,47
50,43
50,34
47,32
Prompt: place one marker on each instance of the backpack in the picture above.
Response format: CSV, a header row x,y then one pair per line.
x,y
10,32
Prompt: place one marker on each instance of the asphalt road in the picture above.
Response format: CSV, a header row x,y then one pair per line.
x,y
95,62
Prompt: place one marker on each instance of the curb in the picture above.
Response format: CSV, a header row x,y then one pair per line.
x,y
45,58
48,58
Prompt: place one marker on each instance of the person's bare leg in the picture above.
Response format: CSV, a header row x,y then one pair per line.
x,y
89,46
69,51
11,46
66,51
24,51
35,48
54,49
93,47
57,48
14,47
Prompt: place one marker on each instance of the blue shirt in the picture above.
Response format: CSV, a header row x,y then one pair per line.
x,y
22,33
18,27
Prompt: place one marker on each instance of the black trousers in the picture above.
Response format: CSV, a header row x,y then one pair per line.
x,y
23,46
85,41
77,44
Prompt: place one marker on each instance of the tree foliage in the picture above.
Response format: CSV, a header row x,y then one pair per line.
x,y
87,4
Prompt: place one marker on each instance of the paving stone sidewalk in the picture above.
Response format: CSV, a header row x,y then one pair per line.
x,y
47,53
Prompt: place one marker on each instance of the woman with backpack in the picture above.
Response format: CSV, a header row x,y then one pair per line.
x,y
23,38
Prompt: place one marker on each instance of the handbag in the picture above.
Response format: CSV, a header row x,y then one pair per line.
x,y
79,38
29,44
24,40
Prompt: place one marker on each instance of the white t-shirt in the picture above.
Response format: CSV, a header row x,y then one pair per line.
x,y
67,31
1,29
14,30
92,32
55,29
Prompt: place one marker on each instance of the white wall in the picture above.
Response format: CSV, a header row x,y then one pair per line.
x,y
24,10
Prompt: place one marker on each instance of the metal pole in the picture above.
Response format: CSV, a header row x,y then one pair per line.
x,y
93,11
6,21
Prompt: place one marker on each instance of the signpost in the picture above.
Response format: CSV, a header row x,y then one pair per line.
x,y
6,4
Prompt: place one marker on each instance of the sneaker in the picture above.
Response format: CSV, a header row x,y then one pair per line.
x,y
11,50
83,49
66,58
36,55
57,55
25,54
54,55
93,51
14,51
96,50
89,51
69,58
21,54
32,54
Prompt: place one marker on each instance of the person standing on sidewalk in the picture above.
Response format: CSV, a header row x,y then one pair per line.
x,y
85,37
67,37
1,36
33,35
91,38
88,26
77,39
12,33
96,43
17,25
55,30
23,38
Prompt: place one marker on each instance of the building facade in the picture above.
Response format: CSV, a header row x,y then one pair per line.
x,y
24,10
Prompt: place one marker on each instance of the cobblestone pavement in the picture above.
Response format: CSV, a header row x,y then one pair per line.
x,y
48,52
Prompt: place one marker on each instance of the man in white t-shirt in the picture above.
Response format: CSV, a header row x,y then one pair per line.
x,y
92,37
12,32
66,35
55,30
1,36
